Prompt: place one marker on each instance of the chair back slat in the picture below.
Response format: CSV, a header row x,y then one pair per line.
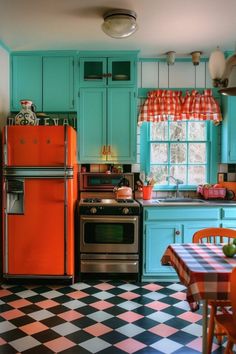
x,y
214,235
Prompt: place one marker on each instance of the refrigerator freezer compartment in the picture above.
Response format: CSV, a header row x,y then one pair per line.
x,y
39,146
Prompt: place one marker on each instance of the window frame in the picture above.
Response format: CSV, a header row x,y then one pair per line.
x,y
212,141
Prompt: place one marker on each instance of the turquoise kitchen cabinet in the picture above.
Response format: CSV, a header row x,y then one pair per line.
x,y
165,225
107,125
112,71
26,80
157,237
107,104
46,79
228,145
58,84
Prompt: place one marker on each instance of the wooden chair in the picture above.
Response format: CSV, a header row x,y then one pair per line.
x,y
215,235
228,322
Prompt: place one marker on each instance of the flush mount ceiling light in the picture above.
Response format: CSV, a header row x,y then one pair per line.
x,y
119,23
220,70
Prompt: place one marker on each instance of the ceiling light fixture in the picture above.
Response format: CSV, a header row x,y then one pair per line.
x,y
170,57
220,70
196,57
119,23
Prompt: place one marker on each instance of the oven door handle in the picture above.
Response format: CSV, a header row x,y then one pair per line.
x,y
107,219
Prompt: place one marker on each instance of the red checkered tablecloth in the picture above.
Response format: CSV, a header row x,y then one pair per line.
x,y
203,269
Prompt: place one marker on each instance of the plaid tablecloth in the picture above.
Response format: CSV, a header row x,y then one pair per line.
x,y
203,269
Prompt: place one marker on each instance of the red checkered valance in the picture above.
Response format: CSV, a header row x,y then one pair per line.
x,y
162,105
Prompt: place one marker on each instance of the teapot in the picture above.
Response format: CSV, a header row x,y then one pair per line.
x,y
27,114
122,190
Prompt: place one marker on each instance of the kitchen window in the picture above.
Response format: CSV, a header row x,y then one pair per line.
x,y
187,150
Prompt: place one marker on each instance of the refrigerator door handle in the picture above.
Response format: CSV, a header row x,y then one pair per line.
x,y
5,152
65,199
5,230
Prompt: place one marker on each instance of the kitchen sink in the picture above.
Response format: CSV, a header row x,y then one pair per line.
x,y
180,200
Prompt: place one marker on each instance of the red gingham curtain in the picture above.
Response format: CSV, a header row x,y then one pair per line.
x,y
162,105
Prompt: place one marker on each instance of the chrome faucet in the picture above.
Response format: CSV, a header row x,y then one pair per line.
x,y
177,182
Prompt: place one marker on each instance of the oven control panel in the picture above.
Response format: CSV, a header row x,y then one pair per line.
x,y
106,210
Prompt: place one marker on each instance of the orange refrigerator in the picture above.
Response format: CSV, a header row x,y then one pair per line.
x,y
39,197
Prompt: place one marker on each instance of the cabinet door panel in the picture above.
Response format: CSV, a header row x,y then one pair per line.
x,y
92,124
92,72
158,237
191,228
26,81
122,70
228,146
58,84
121,125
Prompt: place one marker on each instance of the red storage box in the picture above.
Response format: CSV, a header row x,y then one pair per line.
x,y
211,193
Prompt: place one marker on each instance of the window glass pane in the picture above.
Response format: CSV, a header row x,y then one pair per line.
x,y
197,175
159,153
177,131
159,131
179,172
178,153
197,131
160,173
197,153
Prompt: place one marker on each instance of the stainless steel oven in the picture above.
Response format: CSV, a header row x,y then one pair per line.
x,y
109,231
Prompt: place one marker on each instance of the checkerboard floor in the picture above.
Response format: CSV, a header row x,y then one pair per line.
x,y
106,317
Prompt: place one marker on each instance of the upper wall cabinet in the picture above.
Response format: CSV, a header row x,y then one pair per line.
x,y
47,80
111,71
228,146
26,80
58,84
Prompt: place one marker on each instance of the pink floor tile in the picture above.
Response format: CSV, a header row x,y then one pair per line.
x,y
190,316
4,292
152,287
163,330
157,305
9,315
19,303
78,294
97,329
195,344
45,304
70,315
2,341
130,316
179,295
129,295
59,344
101,305
33,328
104,286
130,345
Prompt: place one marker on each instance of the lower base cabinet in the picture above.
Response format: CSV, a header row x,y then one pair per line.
x,y
165,225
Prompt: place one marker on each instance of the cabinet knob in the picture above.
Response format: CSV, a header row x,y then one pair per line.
x,y
177,232
109,150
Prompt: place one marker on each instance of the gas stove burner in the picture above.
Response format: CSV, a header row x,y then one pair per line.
x,y
125,201
92,200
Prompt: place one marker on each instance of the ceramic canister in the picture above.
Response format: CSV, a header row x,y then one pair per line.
x,y
26,116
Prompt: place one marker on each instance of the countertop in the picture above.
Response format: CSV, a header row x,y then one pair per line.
x,y
198,202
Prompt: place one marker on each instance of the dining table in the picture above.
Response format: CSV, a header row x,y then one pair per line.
x,y
205,271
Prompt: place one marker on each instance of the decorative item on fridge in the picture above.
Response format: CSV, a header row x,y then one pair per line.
x,y
27,115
